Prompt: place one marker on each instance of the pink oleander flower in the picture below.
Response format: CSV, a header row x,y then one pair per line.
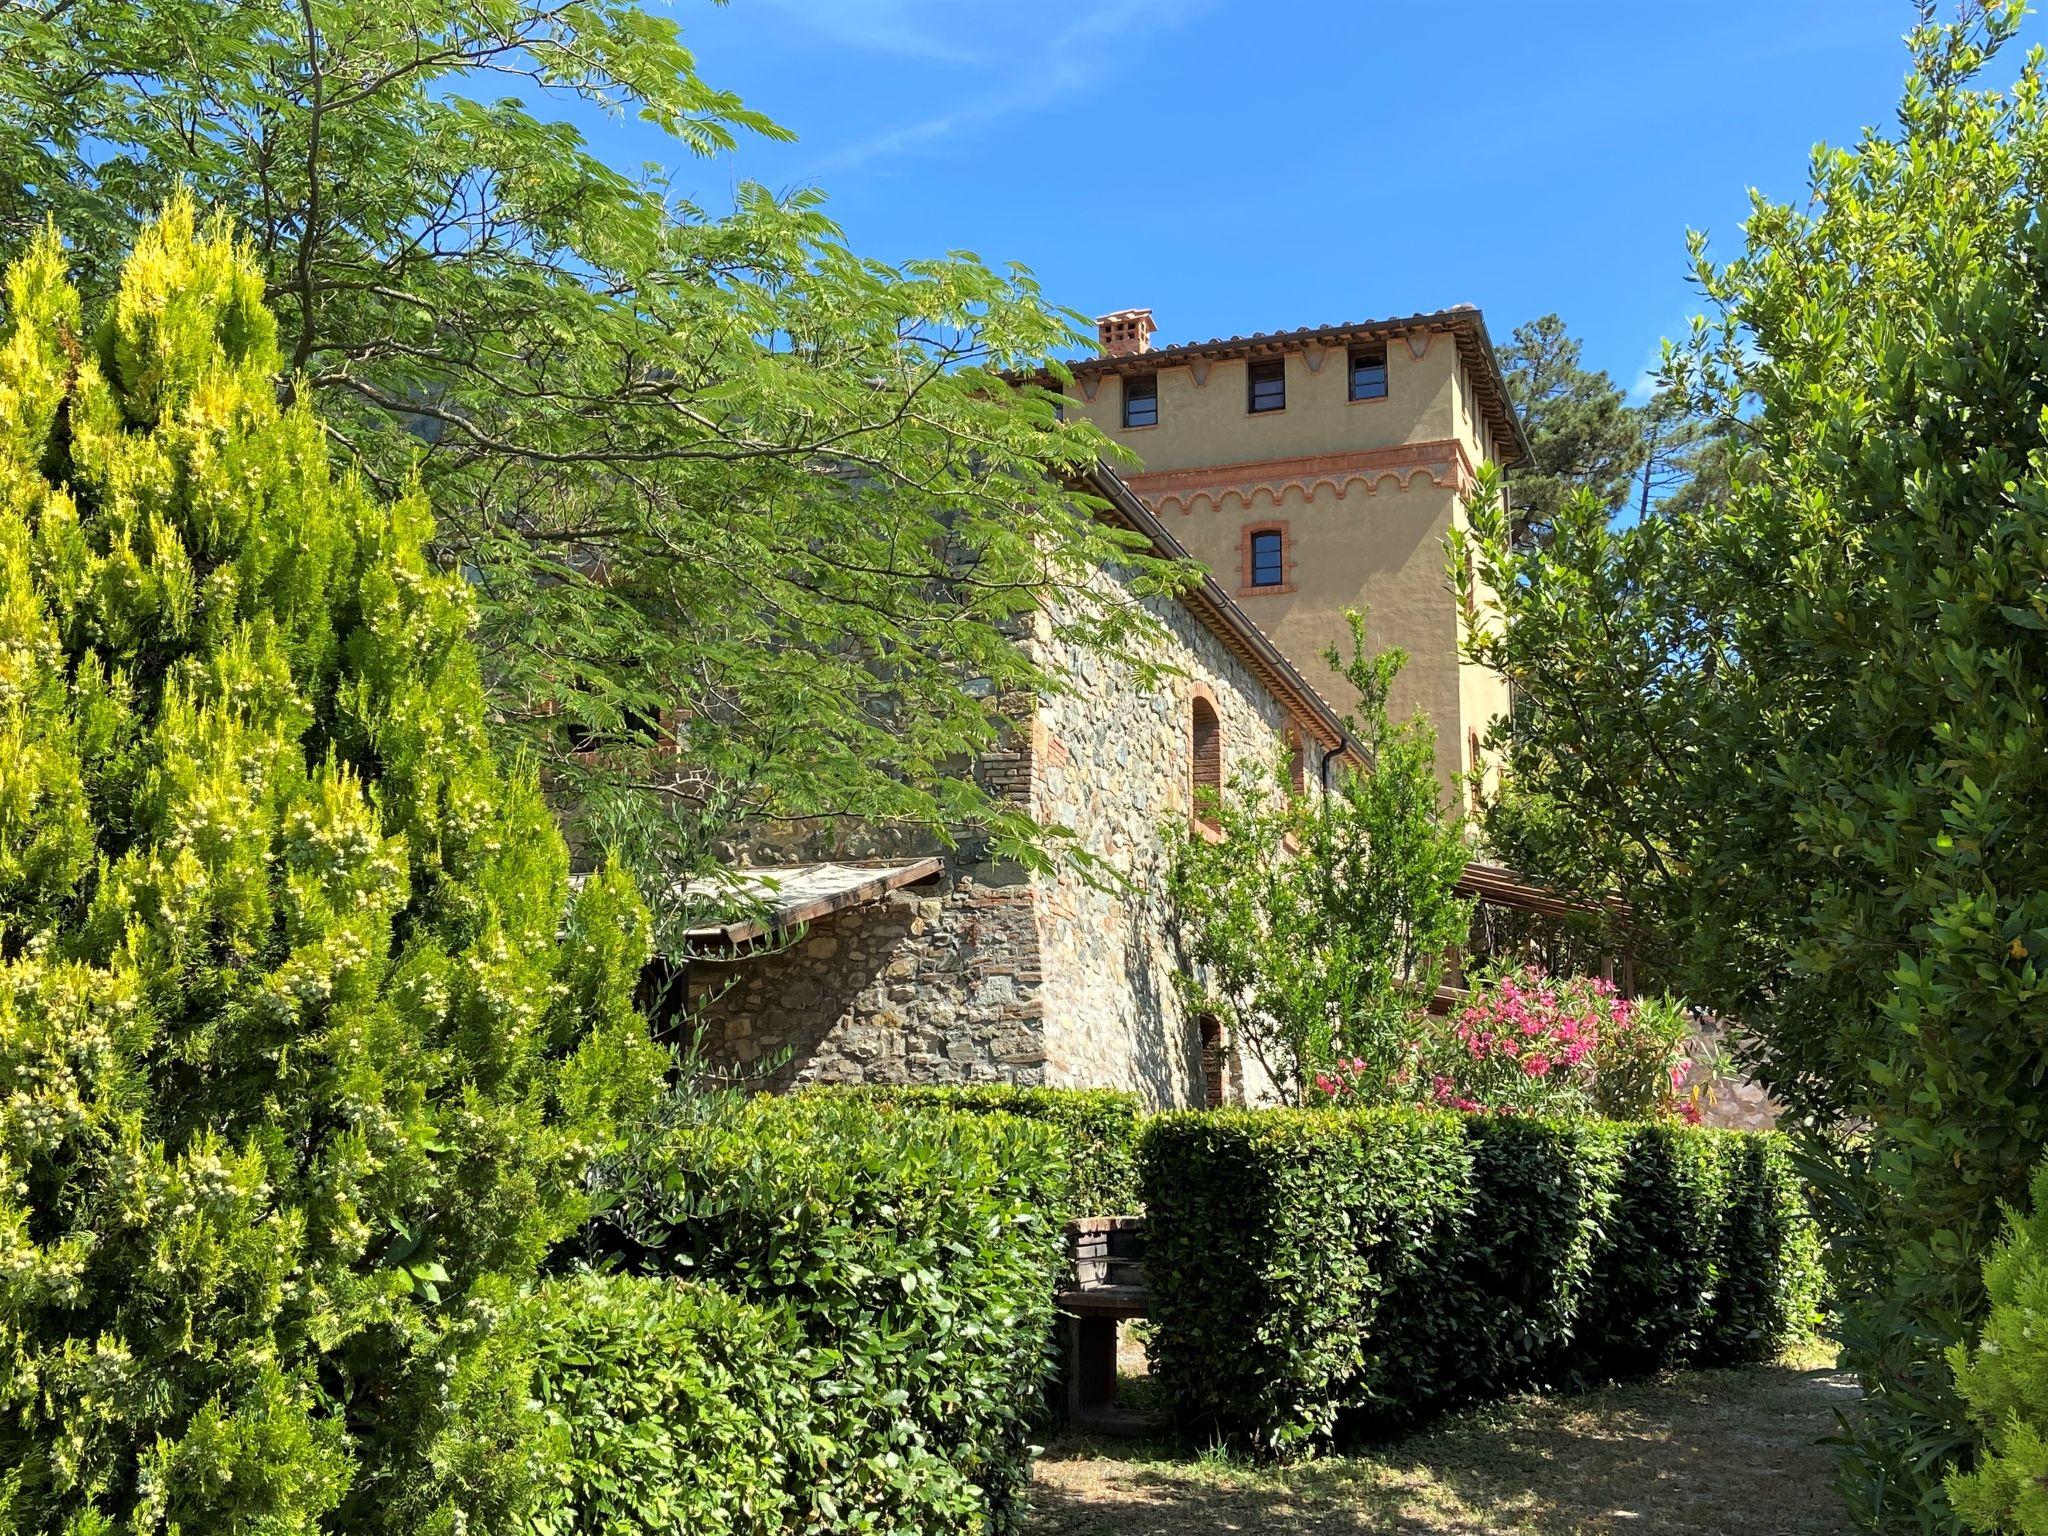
x,y
1536,1064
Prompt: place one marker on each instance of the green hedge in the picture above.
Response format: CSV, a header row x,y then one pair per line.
x,y
1317,1269
1525,1254
916,1256
668,1408
1098,1125
1769,1279
632,1405
1655,1267
1288,1253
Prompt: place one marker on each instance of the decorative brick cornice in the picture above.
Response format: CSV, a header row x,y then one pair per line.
x,y
1445,463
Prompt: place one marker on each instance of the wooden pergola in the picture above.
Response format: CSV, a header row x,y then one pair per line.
x,y
1496,885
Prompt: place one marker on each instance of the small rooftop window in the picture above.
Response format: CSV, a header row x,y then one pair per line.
x,y
1369,373
1141,400
1266,385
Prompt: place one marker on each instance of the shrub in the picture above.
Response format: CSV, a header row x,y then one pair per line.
x,y
2004,1379
1321,1270
302,1064
642,1406
1652,1294
1288,1253
1542,1194
1540,1044
916,1255
1099,1127
1767,1265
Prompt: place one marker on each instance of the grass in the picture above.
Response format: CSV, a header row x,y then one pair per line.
x,y
1702,1453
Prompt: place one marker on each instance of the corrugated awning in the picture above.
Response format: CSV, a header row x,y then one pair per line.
x,y
778,898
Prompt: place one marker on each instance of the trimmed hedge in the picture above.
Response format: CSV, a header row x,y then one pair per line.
x,y
1655,1267
1288,1253
1770,1281
667,1407
1525,1254
1318,1269
1099,1126
916,1256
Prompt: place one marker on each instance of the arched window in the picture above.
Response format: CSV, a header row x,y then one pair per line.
x,y
1214,1061
1205,740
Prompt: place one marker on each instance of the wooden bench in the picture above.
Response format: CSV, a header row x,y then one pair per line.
x,y
1106,1287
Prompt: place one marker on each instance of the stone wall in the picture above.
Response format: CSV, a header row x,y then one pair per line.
x,y
1112,760
1728,1097
994,974
938,983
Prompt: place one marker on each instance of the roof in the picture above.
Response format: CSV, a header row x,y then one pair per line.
x,y
1221,616
1463,322
781,897
1499,886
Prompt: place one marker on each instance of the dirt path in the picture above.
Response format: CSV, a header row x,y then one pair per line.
x,y
1702,1454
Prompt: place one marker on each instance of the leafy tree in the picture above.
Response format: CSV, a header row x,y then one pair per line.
x,y
746,511
1802,732
305,1060
1319,926
1582,433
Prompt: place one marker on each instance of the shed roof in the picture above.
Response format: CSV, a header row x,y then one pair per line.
x,y
779,897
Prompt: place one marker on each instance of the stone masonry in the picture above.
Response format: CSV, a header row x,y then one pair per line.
x,y
992,973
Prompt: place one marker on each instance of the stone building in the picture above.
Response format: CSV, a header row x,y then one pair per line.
x,y
1320,469
949,966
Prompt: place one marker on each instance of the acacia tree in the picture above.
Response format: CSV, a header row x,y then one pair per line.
x,y
1320,925
1801,731
307,1051
746,511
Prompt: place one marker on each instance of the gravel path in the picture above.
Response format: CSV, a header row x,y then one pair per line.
x,y
1702,1454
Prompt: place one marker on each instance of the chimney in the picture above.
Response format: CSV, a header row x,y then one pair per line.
x,y
1125,333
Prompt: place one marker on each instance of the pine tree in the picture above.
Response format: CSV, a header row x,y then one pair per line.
x,y
303,1049
1582,432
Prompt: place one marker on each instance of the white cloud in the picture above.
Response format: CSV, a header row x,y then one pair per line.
x,y
1010,62
919,29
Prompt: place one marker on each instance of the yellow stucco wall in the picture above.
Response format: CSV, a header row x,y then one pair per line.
x,y
1203,424
1366,492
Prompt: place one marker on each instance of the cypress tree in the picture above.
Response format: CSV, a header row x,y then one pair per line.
x,y
304,1048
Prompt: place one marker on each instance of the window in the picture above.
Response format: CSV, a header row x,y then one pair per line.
x,y
1141,400
1297,763
1369,373
1266,385
1205,738
1269,568
1214,1061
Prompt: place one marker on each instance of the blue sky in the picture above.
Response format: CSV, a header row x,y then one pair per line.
x,y
1245,165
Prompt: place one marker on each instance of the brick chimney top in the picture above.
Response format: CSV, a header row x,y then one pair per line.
x,y
1125,332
